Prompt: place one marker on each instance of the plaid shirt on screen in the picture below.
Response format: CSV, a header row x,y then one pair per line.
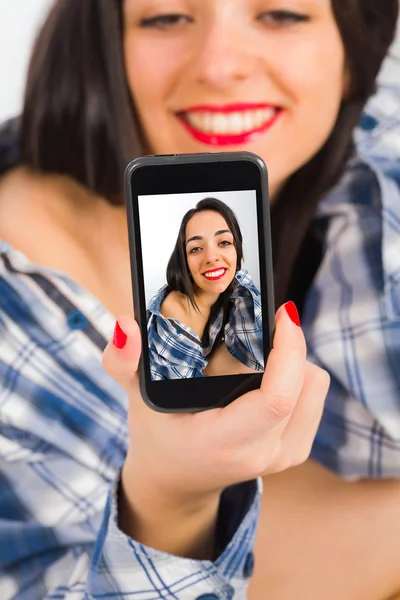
x,y
176,351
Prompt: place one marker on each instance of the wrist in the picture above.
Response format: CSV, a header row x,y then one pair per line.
x,y
167,517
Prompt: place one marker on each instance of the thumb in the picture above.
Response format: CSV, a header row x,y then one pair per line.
x,y
281,384
285,371
122,353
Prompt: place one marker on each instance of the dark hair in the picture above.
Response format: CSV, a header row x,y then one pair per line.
x,y
178,272
367,29
79,119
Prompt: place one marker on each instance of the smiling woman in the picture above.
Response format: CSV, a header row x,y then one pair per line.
x,y
207,319
132,493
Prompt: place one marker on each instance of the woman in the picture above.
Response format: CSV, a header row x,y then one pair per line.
x,y
108,81
210,308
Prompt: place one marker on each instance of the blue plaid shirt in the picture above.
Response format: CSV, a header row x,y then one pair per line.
x,y
352,321
176,351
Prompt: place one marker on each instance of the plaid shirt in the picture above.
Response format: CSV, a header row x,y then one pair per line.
x,y
352,321
176,351
379,131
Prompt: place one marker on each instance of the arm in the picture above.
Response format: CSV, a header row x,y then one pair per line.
x,y
166,447
337,539
63,441
62,530
175,350
184,527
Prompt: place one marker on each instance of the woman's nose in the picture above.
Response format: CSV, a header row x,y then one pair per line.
x,y
212,256
225,56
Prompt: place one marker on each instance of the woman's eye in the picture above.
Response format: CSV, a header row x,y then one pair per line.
x,y
194,250
225,243
165,21
280,18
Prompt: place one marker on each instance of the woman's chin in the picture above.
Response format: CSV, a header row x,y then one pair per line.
x,y
216,287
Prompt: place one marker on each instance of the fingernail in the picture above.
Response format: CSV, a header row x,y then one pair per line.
x,y
120,337
293,312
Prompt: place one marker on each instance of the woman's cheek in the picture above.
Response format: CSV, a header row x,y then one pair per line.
x,y
192,266
232,255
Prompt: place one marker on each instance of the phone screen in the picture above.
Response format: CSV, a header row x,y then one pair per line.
x,y
201,278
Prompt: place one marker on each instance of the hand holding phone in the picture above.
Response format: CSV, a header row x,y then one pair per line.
x,y
202,276
186,460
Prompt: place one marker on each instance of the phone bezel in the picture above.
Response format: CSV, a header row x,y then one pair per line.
x,y
169,174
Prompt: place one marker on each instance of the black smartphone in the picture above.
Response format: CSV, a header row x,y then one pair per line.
x,y
200,247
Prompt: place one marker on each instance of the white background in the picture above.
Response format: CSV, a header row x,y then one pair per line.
x,y
19,21
160,219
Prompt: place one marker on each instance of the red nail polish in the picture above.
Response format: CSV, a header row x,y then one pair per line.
x,y
293,312
120,337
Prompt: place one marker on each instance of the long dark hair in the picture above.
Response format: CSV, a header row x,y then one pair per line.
x,y
79,119
178,273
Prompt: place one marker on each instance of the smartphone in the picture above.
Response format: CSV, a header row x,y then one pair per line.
x,y
200,249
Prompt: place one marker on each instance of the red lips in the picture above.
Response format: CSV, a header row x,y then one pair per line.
x,y
222,139
227,108
214,271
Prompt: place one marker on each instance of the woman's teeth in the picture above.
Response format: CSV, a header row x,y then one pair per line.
x,y
214,274
230,123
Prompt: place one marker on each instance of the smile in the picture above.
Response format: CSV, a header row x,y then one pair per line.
x,y
215,274
233,124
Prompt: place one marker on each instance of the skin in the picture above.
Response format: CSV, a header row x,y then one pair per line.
x,y
213,248
207,248
320,537
226,55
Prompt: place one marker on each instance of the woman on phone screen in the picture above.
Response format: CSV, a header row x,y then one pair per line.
x,y
102,497
207,319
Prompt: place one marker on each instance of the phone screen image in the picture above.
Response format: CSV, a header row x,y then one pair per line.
x,y
201,276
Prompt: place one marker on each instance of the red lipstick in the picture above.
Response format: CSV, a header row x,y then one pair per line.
x,y
212,271
227,108
220,139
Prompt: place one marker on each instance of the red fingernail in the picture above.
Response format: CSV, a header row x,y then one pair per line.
x,y
293,312
120,337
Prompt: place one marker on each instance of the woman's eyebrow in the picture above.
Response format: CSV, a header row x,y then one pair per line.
x,y
194,238
199,237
